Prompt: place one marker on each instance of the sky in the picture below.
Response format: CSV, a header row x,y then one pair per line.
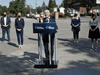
x,y
29,2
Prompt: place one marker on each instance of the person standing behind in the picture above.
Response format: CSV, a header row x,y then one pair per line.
x,y
19,25
40,20
94,30
5,25
75,23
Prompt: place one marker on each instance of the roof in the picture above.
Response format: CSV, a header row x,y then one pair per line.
x,y
77,4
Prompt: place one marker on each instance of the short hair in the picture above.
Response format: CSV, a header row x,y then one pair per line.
x,y
4,12
47,11
19,12
41,13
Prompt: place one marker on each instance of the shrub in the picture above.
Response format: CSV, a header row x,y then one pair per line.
x,y
58,10
83,14
52,15
51,10
67,14
61,15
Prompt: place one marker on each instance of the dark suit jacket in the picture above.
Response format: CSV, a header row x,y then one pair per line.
x,y
19,24
45,36
8,22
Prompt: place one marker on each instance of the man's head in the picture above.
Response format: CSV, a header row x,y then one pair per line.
x,y
5,14
47,13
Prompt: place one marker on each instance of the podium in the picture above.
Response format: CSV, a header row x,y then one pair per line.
x,y
42,28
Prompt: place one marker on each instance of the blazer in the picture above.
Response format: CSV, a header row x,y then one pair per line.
x,y
45,35
75,22
19,24
8,22
50,21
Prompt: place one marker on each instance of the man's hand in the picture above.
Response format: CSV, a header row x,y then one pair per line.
x,y
19,30
4,26
56,30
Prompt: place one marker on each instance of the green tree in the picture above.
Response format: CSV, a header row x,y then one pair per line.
x,y
3,9
52,4
17,6
12,7
0,9
27,11
44,6
39,9
83,3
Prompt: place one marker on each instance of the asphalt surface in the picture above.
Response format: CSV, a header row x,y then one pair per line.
x,y
74,59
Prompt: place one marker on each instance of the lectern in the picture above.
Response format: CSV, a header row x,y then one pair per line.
x,y
42,28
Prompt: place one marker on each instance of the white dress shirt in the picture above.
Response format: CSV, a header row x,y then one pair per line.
x,y
48,20
5,19
41,21
19,19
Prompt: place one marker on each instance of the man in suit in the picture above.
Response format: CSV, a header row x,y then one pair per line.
x,y
5,25
48,19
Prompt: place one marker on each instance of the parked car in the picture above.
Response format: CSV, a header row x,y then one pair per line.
x,y
28,15
71,11
11,15
36,16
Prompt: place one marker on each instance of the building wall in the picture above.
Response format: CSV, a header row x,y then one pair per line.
x,y
83,8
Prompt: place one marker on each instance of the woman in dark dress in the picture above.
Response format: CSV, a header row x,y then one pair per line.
x,y
94,30
19,25
75,23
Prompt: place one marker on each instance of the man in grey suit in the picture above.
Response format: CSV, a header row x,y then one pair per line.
x,y
5,25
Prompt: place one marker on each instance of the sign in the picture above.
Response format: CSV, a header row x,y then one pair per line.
x,y
62,10
44,27
97,1
55,9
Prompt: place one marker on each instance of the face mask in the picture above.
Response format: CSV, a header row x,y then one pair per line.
x,y
41,15
75,15
4,15
18,16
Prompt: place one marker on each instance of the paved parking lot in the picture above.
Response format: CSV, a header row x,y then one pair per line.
x,y
74,59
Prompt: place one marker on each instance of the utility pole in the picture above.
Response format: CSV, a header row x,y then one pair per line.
x,y
43,6
36,6
30,8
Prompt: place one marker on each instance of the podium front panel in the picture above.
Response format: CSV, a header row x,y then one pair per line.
x,y
44,27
